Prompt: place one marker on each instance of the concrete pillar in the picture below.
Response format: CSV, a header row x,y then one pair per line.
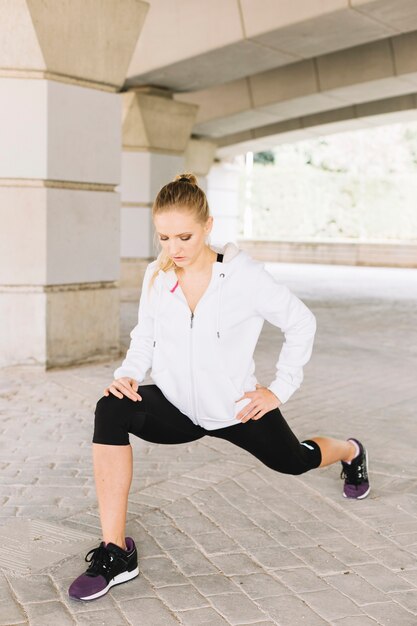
x,y
59,166
156,131
223,198
199,157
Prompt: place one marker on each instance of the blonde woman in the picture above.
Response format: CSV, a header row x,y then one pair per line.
x,y
201,312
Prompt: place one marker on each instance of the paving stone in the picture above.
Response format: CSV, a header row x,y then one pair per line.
x,y
196,525
216,543
161,571
49,614
237,608
255,538
182,507
212,584
407,599
107,617
384,579
191,562
260,585
301,579
148,612
331,604
170,537
320,560
390,614
394,558
229,518
290,610
38,588
356,588
155,517
198,617
346,551
295,539
275,557
182,597
11,612
317,530
234,564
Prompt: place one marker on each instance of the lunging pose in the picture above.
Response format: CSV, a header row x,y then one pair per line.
x,y
201,312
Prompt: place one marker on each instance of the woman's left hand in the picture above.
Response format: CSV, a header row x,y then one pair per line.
x,y
262,401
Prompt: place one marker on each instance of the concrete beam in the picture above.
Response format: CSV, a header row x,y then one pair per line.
x,y
187,46
376,113
381,69
152,122
199,156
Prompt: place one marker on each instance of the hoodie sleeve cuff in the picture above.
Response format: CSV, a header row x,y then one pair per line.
x,y
125,372
282,390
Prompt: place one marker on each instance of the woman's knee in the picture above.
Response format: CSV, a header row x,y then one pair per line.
x,y
110,421
308,457
305,458
294,468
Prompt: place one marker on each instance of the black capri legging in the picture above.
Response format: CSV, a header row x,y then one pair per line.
x,y
157,420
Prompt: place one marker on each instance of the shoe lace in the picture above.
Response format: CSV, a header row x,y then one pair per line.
x,y
100,559
355,473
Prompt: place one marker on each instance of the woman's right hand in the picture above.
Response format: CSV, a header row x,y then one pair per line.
x,y
124,387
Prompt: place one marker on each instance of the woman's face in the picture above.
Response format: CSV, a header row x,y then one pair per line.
x,y
181,237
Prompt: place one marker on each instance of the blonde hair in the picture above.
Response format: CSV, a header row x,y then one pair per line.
x,y
182,193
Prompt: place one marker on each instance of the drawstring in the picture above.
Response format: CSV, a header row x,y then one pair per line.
x,y
219,293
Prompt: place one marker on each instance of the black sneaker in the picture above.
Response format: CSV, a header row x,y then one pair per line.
x,y
356,475
110,565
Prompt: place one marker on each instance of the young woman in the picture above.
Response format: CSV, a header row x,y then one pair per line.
x,y
201,312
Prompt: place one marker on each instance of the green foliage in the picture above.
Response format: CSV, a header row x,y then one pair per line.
x,y
359,185
264,158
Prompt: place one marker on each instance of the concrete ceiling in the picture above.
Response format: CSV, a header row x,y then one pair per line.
x,y
189,45
255,66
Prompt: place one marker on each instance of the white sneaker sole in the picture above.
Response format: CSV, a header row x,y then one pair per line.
x,y
117,580
369,488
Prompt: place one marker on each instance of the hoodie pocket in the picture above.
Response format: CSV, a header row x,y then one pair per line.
x,y
173,388
216,395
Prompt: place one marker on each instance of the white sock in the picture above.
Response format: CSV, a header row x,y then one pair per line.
x,y
357,451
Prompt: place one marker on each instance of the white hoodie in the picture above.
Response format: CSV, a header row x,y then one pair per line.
x,y
203,362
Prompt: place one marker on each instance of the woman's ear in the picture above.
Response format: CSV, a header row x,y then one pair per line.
x,y
209,225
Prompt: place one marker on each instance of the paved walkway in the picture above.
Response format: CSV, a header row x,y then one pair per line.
x,y
223,539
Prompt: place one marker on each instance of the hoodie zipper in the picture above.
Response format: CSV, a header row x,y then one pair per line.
x,y
192,380
193,400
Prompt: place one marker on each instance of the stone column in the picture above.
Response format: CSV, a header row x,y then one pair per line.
x,y
59,166
156,131
199,157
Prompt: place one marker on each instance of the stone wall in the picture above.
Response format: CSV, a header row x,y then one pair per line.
x,y
333,253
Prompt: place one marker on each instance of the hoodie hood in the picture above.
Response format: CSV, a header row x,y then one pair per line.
x,y
229,250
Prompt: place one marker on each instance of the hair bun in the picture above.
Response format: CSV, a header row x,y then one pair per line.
x,y
188,177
